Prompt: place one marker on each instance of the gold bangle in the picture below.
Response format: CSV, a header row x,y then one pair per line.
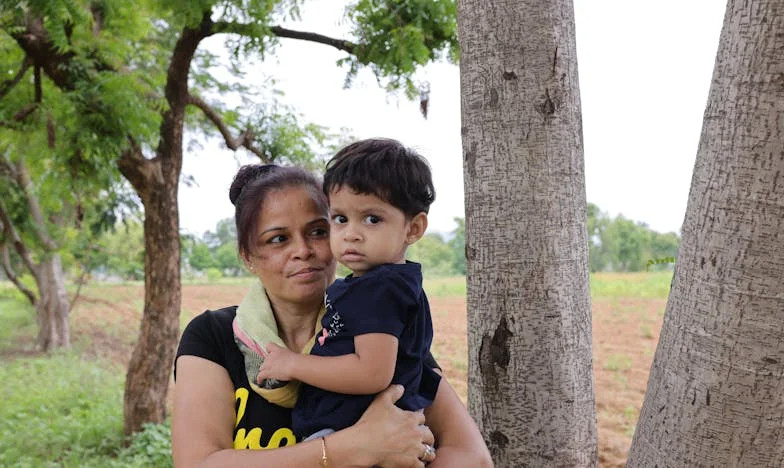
x,y
324,452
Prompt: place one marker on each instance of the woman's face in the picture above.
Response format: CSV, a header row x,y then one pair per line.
x,y
291,252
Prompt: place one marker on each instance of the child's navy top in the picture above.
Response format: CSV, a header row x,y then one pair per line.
x,y
387,299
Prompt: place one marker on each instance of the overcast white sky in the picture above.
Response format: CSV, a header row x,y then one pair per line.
x,y
645,69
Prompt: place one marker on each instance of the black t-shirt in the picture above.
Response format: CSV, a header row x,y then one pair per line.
x,y
260,424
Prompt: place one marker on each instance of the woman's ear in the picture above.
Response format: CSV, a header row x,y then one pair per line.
x,y
246,260
416,227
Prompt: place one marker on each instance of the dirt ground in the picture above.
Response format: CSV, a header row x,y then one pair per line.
x,y
625,333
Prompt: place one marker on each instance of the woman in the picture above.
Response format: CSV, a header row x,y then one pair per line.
x,y
283,237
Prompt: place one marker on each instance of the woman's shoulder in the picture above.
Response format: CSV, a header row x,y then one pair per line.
x,y
209,335
218,317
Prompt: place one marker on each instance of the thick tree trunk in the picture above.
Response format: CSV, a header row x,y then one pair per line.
x,y
149,370
530,376
53,306
716,389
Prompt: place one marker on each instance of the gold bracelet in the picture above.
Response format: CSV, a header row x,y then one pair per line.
x,y
324,452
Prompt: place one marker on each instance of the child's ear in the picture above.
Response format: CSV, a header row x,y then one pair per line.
x,y
416,228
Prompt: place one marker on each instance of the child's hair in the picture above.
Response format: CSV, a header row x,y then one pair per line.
x,y
385,168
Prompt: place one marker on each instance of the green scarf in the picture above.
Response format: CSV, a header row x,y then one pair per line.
x,y
255,326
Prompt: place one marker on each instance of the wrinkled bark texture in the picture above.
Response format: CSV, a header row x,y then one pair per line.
x,y
530,375
52,306
715,395
149,370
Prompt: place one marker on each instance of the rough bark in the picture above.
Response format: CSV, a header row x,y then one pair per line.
x,y
52,306
530,375
716,388
149,370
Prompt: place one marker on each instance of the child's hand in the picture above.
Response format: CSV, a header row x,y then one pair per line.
x,y
278,363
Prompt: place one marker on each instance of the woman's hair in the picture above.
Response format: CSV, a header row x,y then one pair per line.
x,y
385,168
251,186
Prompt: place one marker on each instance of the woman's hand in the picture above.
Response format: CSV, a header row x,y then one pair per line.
x,y
460,444
394,437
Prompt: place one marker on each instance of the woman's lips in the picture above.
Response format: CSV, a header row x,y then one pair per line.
x,y
307,273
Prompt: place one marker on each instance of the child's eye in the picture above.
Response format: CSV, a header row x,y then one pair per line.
x,y
372,219
339,219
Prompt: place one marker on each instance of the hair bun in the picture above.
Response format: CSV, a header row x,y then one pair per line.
x,y
245,175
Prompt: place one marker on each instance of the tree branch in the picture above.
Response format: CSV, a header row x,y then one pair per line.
x,y
7,85
10,233
244,140
340,44
220,27
35,209
39,94
80,282
140,171
21,115
11,275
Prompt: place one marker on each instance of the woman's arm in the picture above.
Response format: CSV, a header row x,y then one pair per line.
x,y
458,440
368,370
204,416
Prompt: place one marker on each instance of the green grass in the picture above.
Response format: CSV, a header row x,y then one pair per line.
x,y
631,285
618,362
17,316
445,286
61,411
642,285
58,410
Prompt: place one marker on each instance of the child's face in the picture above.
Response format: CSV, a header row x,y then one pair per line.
x,y
366,231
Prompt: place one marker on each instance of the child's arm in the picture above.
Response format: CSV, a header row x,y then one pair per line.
x,y
367,371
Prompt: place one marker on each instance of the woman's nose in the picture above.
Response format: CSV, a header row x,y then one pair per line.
x,y
303,249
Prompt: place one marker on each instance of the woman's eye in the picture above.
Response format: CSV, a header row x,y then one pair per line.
x,y
320,232
372,219
276,239
339,219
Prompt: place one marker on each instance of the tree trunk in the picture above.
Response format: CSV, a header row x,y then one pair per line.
x,y
530,377
53,306
157,183
716,388
149,370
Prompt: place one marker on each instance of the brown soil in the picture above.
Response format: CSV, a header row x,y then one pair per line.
x,y
105,322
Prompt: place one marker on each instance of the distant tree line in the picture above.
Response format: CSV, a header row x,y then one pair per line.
x,y
615,244
620,244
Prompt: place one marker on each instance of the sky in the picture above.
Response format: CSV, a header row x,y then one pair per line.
x,y
644,67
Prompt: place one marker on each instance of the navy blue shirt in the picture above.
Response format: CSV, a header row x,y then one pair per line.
x,y
387,299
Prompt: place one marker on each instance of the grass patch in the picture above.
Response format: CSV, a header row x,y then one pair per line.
x,y
62,411
638,285
618,362
58,410
445,286
16,314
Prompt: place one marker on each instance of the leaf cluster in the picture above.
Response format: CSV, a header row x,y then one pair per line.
x,y
394,38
